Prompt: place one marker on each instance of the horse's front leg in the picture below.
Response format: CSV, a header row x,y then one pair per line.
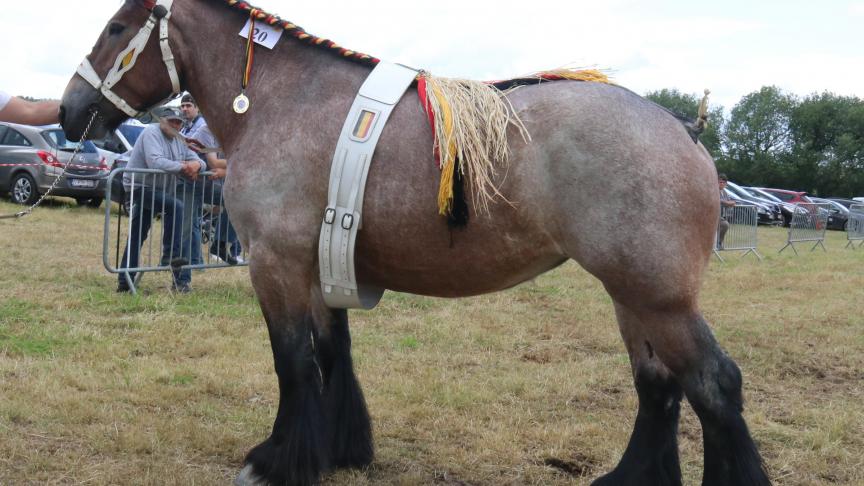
x,y
322,420
349,427
296,452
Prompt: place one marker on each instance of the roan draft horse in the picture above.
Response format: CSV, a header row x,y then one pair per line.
x,y
604,166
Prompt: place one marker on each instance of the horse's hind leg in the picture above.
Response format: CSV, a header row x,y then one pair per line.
x,y
712,383
680,337
651,457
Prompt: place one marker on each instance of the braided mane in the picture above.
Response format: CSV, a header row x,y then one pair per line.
x,y
297,32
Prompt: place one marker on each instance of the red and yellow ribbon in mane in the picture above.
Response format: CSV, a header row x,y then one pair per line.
x,y
250,48
447,161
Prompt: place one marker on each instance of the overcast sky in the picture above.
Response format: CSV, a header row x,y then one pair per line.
x,y
732,47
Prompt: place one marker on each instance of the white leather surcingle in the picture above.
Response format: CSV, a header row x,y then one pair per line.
x,y
379,94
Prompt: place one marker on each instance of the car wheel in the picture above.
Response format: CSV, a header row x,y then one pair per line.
x,y
24,189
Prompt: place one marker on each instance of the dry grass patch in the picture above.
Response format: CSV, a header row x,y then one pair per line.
x,y
528,386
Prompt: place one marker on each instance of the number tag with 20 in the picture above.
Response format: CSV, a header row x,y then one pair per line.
x,y
262,34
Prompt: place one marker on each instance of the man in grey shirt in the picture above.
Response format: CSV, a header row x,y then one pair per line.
x,y
158,147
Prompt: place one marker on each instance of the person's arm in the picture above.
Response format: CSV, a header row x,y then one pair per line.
x,y
31,112
217,166
214,162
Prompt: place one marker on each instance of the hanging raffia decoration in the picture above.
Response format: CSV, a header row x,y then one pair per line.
x,y
470,120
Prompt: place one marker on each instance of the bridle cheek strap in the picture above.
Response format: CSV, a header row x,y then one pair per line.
x,y
127,58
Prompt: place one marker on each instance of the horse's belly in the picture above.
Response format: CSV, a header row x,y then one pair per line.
x,y
466,265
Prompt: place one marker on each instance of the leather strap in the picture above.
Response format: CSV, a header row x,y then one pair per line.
x,y
376,99
127,58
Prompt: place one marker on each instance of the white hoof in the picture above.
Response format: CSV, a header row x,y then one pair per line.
x,y
247,477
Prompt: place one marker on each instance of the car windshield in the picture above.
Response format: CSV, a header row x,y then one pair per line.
x,y
57,139
735,189
764,194
131,132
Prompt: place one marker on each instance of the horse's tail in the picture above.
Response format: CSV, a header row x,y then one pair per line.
x,y
696,126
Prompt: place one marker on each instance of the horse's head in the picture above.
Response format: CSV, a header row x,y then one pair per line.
x,y
130,69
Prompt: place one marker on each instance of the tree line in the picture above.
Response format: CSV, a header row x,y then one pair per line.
x,y
775,139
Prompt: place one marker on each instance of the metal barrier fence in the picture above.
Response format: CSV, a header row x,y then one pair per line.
x,y
809,223
737,231
191,213
855,226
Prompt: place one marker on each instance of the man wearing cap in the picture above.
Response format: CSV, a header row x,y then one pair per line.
x,y
158,147
191,193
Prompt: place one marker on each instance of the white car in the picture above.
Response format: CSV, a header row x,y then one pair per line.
x,y
115,147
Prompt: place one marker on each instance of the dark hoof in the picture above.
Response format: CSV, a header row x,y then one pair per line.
x,y
656,477
288,463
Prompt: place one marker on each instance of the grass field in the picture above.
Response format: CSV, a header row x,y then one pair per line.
x,y
528,386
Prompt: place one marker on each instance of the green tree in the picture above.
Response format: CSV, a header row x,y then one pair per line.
x,y
688,105
828,134
758,140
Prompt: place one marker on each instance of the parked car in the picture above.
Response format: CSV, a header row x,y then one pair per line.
x,y
838,214
844,201
764,213
776,211
787,209
31,159
788,196
119,143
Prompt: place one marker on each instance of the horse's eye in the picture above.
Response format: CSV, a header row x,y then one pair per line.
x,y
115,28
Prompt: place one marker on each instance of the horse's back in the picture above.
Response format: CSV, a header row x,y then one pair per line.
x,y
608,179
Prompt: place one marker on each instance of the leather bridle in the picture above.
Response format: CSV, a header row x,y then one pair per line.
x,y
126,59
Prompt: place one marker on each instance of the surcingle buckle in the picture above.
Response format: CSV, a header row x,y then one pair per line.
x,y
347,221
329,215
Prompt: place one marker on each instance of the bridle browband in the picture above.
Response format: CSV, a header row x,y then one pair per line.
x,y
126,59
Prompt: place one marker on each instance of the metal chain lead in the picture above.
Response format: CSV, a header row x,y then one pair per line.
x,y
29,210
